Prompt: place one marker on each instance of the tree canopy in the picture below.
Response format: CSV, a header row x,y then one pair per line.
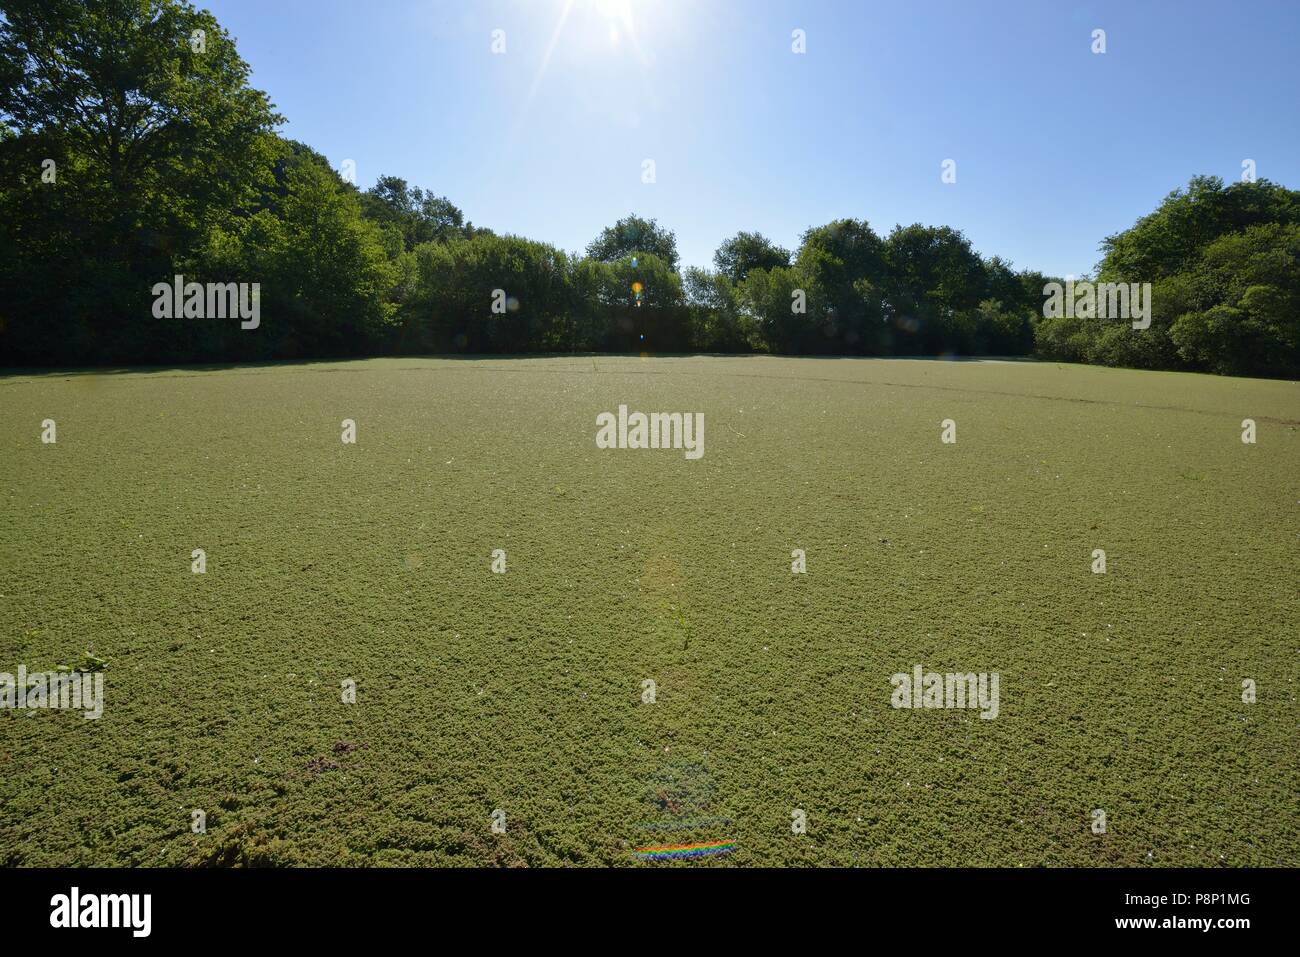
x,y
134,149
632,235
744,252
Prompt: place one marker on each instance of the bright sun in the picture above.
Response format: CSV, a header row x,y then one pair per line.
x,y
614,9
617,15
614,18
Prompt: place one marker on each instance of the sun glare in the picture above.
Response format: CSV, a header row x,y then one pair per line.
x,y
614,9
602,30
616,16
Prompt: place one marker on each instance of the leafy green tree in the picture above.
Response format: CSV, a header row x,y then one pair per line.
x,y
844,262
1243,304
489,293
634,236
145,108
718,323
1220,261
1162,242
1002,329
768,298
416,215
745,251
936,281
325,278
585,316
658,321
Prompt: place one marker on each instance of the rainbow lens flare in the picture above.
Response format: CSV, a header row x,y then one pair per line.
x,y
668,851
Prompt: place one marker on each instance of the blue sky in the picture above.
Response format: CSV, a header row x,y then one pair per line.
x,y
1056,147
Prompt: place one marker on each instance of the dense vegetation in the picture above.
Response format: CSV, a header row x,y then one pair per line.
x,y
130,153
522,691
1224,264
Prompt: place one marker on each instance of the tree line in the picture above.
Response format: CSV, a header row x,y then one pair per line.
x,y
133,150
